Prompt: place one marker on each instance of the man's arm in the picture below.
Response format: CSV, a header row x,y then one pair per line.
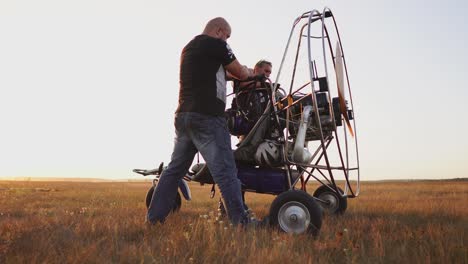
x,y
238,71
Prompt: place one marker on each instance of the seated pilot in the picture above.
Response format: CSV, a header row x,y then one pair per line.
x,y
250,101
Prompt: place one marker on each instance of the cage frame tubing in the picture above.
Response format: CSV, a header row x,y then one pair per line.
x,y
314,98
352,107
305,167
346,168
296,58
311,14
274,87
310,174
285,156
314,167
338,145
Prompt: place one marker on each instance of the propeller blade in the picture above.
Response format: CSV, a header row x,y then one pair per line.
x,y
340,83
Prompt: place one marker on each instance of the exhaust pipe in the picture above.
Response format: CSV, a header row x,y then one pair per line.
x,y
300,153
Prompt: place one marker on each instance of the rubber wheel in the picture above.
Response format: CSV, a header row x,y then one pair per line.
x,y
336,204
296,212
177,204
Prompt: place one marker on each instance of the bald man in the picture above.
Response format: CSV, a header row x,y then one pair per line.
x,y
200,123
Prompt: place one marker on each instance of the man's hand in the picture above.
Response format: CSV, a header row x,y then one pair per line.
x,y
257,78
260,77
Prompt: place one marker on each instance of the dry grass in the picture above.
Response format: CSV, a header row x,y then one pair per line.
x,y
391,222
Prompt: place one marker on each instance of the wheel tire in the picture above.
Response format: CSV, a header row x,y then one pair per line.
x,y
297,212
336,203
177,204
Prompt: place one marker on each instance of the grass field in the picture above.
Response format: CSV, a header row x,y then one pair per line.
x,y
390,222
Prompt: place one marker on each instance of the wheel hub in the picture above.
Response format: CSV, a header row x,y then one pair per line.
x,y
293,217
331,202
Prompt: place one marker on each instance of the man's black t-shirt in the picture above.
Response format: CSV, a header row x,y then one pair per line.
x,y
202,75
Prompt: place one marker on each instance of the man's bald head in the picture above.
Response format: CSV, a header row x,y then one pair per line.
x,y
218,28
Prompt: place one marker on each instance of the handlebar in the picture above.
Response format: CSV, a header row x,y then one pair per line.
x,y
146,172
150,172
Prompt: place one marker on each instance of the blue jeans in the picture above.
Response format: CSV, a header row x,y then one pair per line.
x,y
210,136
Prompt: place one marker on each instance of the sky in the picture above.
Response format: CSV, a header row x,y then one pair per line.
x,y
89,88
